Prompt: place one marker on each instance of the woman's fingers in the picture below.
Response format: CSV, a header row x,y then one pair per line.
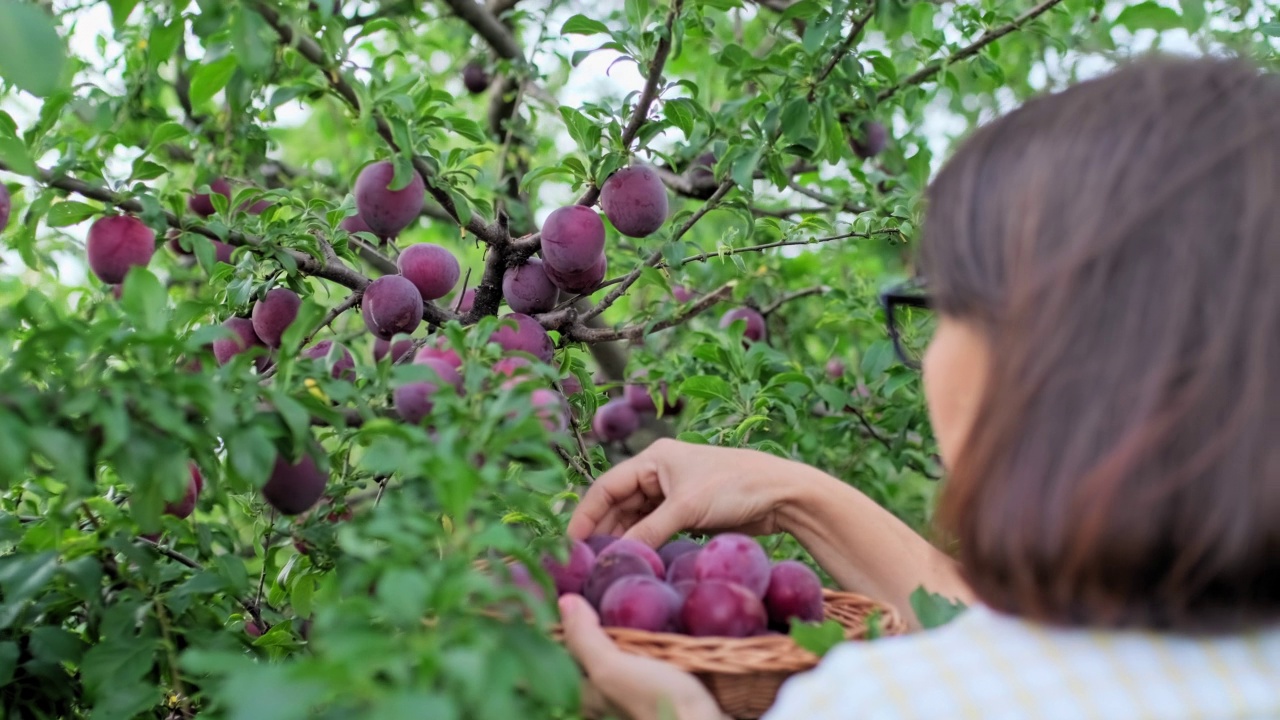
x,y
629,486
657,527
583,636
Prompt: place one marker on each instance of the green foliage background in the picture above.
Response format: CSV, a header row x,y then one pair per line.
x,y
390,615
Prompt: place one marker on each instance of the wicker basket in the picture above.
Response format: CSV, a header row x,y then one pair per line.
x,y
745,674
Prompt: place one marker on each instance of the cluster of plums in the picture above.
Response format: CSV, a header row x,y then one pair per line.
x,y
726,588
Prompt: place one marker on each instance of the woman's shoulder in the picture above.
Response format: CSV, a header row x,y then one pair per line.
x,y
988,665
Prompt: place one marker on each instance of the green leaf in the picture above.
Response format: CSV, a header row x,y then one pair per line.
x,y
163,42
933,610
13,153
8,661
1193,14
1271,29
304,590
208,79
1149,15
120,10
817,638
145,301
583,25
709,387
69,212
32,54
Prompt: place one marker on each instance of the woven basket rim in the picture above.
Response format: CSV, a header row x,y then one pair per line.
x,y
754,655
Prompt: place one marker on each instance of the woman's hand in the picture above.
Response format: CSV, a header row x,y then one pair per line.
x,y
640,687
674,486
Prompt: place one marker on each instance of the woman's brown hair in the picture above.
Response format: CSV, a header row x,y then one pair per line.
x,y
1119,242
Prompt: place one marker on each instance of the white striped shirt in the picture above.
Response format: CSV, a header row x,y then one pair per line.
x,y
998,667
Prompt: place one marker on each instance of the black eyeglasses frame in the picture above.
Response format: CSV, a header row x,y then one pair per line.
x,y
911,293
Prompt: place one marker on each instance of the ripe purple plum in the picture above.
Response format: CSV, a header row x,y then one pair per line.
x,y
570,575
684,587
676,548
415,400
526,336
475,77
794,592
202,205
615,420
551,408
391,305
579,282
734,558
682,567
251,629
640,550
387,211
294,488
598,543
610,569
682,293
870,141
117,243
572,240
6,204
431,268
438,348
521,578
755,330
715,608
640,603
244,338
465,302
702,171
635,201
183,508
638,397
344,367
354,224
835,368
571,385
222,252
528,289
274,313
515,369
396,349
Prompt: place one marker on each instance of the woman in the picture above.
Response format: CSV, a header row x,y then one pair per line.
x,y
1104,383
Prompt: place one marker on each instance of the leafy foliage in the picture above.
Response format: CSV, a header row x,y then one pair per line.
x,y
112,608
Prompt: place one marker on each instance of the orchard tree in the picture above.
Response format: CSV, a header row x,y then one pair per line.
x,y
317,316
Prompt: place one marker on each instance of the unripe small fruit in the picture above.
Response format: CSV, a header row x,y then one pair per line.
x,y
274,313
615,420
431,268
755,329
387,211
527,336
572,239
343,368
391,305
635,201
294,488
117,243
527,288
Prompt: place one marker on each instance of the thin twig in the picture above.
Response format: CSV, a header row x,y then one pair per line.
x,y
266,548
351,301
843,49
656,257
635,332
769,309
986,39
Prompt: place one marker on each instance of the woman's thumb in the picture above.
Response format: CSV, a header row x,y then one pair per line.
x,y
583,635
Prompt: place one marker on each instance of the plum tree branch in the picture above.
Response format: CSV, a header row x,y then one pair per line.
x,y
487,25
843,48
589,335
769,309
656,257
351,301
313,53
988,37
